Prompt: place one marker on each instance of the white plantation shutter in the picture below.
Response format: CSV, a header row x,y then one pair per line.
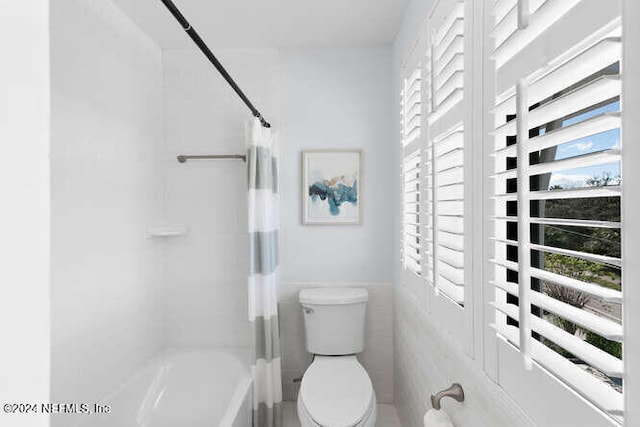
x,y
445,152
410,124
557,234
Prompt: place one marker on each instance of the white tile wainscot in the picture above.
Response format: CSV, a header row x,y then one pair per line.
x,y
377,357
428,361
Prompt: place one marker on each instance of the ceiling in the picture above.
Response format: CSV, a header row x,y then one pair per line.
x,y
271,23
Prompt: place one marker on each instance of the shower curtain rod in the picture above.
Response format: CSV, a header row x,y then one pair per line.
x,y
212,58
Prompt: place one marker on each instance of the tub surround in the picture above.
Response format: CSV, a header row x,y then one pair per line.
x,y
25,256
205,283
106,137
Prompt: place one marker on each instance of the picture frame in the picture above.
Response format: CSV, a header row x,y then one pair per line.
x,y
332,187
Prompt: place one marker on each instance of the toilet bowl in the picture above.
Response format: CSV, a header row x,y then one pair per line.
x,y
336,392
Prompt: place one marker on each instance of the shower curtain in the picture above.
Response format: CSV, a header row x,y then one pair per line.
x,y
262,162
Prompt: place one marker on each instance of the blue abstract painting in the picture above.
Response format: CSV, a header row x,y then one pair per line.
x,y
335,193
331,193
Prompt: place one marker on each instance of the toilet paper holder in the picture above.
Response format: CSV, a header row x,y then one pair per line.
x,y
455,391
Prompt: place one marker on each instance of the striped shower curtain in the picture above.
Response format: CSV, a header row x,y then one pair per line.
x,y
262,161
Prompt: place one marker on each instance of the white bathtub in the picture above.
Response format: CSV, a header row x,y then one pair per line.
x,y
199,388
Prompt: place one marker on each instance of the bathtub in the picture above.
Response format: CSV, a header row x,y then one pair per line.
x,y
198,388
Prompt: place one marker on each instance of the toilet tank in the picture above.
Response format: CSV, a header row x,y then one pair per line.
x,y
334,320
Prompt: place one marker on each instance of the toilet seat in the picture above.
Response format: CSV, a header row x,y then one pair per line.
x,y
336,392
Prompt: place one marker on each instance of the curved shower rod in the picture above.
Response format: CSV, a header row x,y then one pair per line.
x,y
186,26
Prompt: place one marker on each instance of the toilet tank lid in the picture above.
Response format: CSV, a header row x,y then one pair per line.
x,y
333,296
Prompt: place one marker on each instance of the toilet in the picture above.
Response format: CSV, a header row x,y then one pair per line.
x,y
336,390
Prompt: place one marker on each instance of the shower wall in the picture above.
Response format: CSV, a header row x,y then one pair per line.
x,y
24,207
107,138
205,300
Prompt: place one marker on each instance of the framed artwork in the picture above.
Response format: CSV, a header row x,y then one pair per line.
x,y
331,187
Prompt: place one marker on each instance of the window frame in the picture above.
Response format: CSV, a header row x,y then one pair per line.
x,y
452,319
630,209
499,360
504,362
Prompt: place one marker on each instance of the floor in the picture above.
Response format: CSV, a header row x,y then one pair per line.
x,y
387,415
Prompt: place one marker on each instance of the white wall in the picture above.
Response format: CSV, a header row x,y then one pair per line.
x,y
205,300
427,362
24,207
337,98
105,188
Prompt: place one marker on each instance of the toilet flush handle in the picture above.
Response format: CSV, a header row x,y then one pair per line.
x,y
308,310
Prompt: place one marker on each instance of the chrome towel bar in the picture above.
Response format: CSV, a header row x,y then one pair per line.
x,y
183,158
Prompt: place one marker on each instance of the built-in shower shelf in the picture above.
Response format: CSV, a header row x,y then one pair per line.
x,y
167,231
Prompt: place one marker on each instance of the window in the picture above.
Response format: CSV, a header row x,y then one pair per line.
x,y
556,192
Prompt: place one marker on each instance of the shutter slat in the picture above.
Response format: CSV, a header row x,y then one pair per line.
x,y
501,8
412,265
584,160
453,159
565,222
451,290
456,47
451,272
599,90
505,27
590,159
454,192
607,294
572,193
448,142
590,61
451,240
412,178
453,257
456,12
603,327
412,254
455,29
595,357
454,83
593,126
456,64
602,259
412,135
412,244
